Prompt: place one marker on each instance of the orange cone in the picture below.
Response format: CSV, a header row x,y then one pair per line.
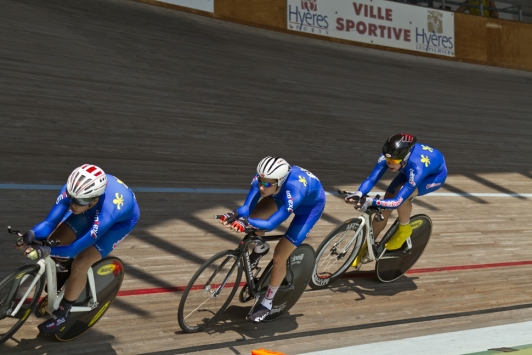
x,y
265,352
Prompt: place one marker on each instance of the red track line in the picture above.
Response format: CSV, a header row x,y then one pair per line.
x,y
147,291
469,267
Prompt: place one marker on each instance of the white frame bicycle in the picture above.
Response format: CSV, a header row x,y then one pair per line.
x,y
11,303
346,245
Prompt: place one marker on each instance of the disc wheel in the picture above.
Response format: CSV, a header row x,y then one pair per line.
x,y
108,277
395,263
301,261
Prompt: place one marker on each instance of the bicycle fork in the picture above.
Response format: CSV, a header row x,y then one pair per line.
x,y
216,293
15,286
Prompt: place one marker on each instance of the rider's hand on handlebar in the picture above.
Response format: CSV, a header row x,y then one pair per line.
x,y
353,198
364,203
25,239
240,225
228,218
37,252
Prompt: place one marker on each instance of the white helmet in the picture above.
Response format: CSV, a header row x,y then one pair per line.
x,y
86,182
274,168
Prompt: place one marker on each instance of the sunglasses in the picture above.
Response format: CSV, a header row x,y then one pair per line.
x,y
265,184
393,161
81,201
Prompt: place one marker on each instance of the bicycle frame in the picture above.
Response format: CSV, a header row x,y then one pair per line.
x,y
243,253
47,267
375,252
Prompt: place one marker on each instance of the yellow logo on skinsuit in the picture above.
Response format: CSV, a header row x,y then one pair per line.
x,y
119,200
416,224
106,269
121,182
99,314
426,147
302,180
425,160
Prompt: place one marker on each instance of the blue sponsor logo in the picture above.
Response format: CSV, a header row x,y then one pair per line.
x,y
301,20
434,43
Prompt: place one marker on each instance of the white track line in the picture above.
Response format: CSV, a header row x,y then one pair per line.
x,y
454,343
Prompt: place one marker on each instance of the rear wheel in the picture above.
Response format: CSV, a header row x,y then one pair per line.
x,y
302,262
395,263
108,277
210,291
336,253
12,289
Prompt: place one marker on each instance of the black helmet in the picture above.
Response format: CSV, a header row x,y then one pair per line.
x,y
398,146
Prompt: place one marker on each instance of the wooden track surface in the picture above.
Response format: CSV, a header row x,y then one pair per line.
x,y
166,99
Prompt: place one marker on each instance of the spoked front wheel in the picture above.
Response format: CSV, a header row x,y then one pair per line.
x,y
108,277
336,253
395,263
12,290
209,292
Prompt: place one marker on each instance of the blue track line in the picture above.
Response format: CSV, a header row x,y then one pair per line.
x,y
191,190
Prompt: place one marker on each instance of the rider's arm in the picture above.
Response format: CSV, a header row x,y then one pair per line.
x,y
392,203
251,200
45,228
291,200
375,176
414,176
103,223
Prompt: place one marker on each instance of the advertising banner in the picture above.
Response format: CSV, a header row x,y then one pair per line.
x,y
377,22
203,5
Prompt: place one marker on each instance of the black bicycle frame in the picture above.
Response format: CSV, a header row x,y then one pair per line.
x,y
243,254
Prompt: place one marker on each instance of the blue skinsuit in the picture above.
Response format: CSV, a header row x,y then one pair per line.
x,y
105,225
424,170
301,194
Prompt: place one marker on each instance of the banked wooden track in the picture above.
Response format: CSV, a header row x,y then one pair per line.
x,y
165,99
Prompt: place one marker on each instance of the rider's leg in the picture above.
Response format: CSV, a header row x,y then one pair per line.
x,y
391,192
64,234
78,275
103,247
429,184
281,254
282,251
300,227
404,230
379,226
405,210
264,209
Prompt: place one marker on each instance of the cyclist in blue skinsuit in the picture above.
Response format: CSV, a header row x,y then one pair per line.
x,y
421,170
284,190
103,212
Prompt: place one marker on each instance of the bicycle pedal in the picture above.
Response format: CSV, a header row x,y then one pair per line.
x,y
245,296
40,310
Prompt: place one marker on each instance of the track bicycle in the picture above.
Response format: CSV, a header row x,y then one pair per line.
x,y
352,243
214,285
20,294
